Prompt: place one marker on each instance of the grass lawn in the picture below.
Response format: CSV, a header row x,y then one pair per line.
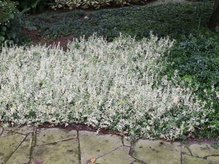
x,y
194,54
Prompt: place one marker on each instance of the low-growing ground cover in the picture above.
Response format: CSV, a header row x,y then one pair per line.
x,y
195,53
152,88
175,20
113,85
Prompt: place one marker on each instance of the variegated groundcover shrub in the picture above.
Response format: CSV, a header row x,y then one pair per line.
x,y
71,4
103,84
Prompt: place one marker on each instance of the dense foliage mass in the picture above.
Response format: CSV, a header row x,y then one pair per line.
x,y
103,84
195,53
33,5
135,87
174,20
10,22
71,4
7,11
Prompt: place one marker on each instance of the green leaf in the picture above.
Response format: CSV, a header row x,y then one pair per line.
x,y
4,28
2,38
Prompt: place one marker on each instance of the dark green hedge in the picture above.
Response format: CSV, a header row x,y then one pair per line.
x,y
10,22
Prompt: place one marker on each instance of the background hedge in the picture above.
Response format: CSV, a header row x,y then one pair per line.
x,y
71,4
10,22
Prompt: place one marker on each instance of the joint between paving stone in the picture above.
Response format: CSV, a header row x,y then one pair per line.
x,y
55,142
15,132
187,147
32,143
212,155
132,153
181,154
2,130
79,148
123,141
203,158
105,154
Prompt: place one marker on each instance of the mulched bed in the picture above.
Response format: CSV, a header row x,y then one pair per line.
x,y
37,39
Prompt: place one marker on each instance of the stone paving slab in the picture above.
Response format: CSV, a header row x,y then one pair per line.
x,y
19,130
50,135
59,153
22,154
54,146
29,145
186,159
105,149
157,152
120,156
204,152
9,144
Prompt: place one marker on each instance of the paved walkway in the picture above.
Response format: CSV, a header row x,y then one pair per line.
x,y
29,145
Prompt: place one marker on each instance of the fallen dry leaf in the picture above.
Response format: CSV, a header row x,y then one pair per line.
x,y
92,161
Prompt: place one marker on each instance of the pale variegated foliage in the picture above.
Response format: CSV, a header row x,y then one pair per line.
x,y
71,4
98,83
